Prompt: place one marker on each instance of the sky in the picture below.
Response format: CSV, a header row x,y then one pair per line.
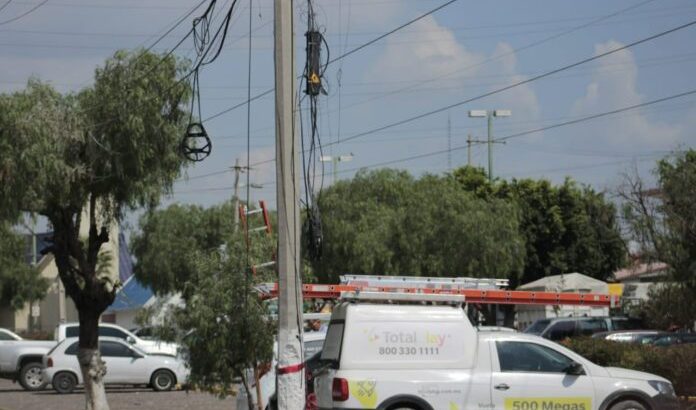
x,y
462,51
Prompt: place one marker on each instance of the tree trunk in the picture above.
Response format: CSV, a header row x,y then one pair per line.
x,y
92,366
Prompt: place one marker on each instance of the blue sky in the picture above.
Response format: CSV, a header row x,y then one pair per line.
x,y
464,50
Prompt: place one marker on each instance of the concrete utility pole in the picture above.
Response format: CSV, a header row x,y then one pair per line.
x,y
237,170
335,159
489,115
290,374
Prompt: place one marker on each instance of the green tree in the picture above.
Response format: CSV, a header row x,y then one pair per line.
x,y
110,148
170,239
661,222
386,222
566,228
19,282
229,329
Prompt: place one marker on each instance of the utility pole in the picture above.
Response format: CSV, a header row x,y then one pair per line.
x,y
489,114
468,150
335,159
237,171
449,143
290,377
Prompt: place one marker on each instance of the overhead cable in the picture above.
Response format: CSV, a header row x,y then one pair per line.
x,y
360,47
26,13
519,83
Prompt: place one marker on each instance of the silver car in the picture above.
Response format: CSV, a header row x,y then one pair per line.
x,y
125,365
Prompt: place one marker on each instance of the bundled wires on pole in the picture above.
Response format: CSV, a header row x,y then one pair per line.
x,y
313,76
196,144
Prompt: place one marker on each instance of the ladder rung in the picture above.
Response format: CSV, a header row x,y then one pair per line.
x,y
260,228
254,211
265,264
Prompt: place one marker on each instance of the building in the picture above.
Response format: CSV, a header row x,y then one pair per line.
x,y
570,282
637,280
56,306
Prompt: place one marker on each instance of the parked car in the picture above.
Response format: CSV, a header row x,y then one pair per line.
x,y
67,330
565,327
671,339
125,363
416,357
21,359
631,336
312,345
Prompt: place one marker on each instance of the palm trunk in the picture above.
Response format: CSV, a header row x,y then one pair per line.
x,y
92,366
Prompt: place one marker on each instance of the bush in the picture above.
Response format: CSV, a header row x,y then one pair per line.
x,y
675,363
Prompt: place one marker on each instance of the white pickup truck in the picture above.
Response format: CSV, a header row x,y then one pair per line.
x,y
21,359
430,357
66,330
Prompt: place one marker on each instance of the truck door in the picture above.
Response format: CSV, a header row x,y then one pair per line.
x,y
531,376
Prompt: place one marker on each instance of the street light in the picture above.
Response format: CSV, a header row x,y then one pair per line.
x,y
335,159
490,114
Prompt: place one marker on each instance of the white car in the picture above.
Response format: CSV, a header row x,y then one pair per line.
x,y
125,364
66,330
415,357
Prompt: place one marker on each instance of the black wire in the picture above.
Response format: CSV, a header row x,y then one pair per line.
x,y
26,13
517,84
269,91
5,5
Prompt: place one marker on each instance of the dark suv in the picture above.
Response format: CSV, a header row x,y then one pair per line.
x,y
565,327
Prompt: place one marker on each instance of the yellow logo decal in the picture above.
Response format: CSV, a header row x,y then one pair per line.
x,y
364,391
548,403
453,406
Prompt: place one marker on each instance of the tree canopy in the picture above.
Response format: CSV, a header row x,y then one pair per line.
x,y
387,222
85,159
566,228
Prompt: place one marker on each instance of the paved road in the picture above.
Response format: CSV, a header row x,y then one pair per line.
x,y
13,397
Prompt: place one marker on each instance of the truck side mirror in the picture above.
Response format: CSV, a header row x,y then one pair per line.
x,y
574,369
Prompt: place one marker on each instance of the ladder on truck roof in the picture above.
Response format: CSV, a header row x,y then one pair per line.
x,y
421,287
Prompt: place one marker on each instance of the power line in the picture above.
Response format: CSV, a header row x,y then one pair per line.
x,y
592,117
390,32
5,5
519,83
342,56
26,13
537,130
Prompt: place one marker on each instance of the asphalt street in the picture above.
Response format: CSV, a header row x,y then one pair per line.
x,y
13,397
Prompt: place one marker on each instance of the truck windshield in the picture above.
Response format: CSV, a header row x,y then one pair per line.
x,y
537,327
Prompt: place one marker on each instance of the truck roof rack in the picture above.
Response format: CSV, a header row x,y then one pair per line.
x,y
420,287
402,297
424,282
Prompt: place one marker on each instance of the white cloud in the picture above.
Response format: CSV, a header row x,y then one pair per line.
x,y
611,89
435,52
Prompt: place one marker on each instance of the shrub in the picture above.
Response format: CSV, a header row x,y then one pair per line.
x,y
675,363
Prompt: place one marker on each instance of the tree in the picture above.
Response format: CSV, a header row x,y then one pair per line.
x,y
170,239
386,222
566,228
87,158
662,222
229,329
195,252
19,281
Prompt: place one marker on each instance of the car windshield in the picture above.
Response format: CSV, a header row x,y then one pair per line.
x,y
537,327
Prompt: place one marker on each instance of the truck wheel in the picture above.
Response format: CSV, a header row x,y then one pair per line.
x,y
629,405
30,377
162,380
64,382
